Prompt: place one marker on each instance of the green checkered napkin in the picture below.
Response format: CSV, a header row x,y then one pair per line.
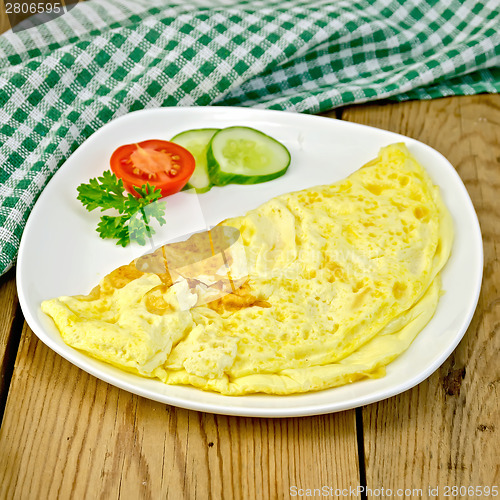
x,y
63,80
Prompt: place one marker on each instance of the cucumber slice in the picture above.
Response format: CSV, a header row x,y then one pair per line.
x,y
196,142
243,155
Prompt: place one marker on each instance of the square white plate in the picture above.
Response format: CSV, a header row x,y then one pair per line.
x,y
62,254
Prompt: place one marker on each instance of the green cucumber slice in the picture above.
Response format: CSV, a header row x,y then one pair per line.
x,y
243,155
196,142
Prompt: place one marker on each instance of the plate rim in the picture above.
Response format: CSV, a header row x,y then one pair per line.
x,y
223,408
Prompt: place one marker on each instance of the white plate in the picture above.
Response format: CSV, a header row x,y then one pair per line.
x,y
61,254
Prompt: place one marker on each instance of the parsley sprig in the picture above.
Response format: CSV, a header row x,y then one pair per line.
x,y
133,223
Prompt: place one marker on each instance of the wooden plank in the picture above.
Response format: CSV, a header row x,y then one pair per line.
x,y
10,325
4,20
445,431
67,434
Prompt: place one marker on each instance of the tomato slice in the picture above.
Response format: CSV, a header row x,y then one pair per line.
x,y
163,164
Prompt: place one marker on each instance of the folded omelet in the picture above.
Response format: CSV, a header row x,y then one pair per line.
x,y
311,290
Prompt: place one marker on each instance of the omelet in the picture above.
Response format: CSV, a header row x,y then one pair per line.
x,y
311,290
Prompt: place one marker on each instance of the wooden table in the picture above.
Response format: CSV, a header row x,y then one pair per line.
x,y
65,434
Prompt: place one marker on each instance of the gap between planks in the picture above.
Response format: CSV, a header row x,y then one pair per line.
x,y
444,432
338,113
11,325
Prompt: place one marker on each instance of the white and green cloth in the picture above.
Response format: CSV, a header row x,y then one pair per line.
x,y
61,81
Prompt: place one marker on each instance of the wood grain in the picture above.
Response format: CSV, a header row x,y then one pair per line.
x,y
4,20
10,326
68,435
446,430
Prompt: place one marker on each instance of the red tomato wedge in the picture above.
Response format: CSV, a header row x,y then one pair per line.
x,y
162,164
